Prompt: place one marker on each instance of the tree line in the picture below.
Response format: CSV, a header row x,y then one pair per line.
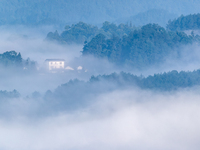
x,y
188,22
77,93
14,60
9,94
81,32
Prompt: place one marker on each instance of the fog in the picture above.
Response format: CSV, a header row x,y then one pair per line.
x,y
122,119
187,59
31,43
114,118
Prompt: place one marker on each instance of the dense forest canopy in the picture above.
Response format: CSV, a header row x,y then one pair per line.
x,y
81,32
141,48
12,60
182,23
172,80
126,44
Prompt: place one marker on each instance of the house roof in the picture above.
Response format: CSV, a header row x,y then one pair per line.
x,y
54,60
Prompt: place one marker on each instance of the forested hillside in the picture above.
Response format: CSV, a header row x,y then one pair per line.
x,y
172,80
78,93
141,48
81,32
189,22
12,60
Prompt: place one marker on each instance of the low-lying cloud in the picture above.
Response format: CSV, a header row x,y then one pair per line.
x,y
122,119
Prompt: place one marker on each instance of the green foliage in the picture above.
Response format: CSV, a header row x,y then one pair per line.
x,y
78,33
110,29
189,22
96,45
77,93
10,58
81,32
141,48
172,80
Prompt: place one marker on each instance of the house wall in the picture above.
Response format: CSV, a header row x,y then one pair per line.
x,y
56,65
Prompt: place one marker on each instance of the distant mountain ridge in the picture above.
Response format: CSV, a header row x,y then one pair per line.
x,y
158,16
39,12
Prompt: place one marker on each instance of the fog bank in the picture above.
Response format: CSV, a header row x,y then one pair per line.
x,y
123,119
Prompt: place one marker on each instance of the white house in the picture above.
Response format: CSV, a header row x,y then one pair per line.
x,y
54,64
